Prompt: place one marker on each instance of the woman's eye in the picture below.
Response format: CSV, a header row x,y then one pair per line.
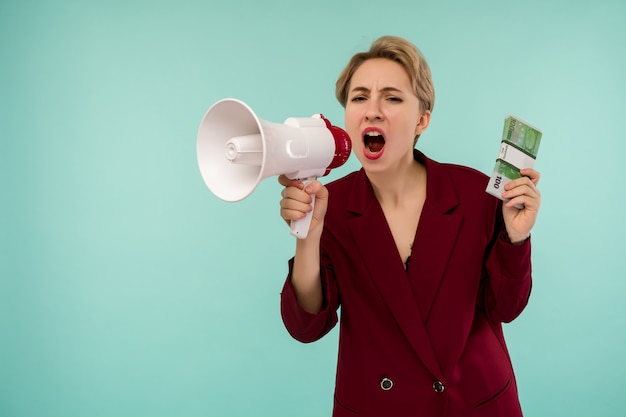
x,y
395,99
358,98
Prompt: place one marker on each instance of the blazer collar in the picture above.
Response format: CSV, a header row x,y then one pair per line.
x,y
437,231
440,191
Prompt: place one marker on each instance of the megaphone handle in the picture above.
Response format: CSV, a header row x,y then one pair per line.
x,y
300,228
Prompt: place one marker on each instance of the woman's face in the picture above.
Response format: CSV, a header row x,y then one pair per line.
x,y
383,115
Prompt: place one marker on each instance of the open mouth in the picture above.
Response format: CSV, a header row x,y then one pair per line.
x,y
374,142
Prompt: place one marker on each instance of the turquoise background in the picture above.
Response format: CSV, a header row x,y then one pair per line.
x,y
128,289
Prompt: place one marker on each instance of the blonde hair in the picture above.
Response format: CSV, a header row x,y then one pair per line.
x,y
398,50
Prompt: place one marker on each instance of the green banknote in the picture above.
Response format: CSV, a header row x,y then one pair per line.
x,y
521,135
518,149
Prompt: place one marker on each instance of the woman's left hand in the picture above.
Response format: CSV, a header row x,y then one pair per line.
x,y
522,191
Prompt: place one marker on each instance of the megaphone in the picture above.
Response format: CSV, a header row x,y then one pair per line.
x,y
236,150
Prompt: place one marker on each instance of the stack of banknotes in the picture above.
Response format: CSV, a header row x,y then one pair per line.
x,y
520,143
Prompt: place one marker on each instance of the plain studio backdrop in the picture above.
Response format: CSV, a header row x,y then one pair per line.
x,y
128,289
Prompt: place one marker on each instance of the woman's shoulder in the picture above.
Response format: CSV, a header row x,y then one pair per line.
x,y
465,173
467,183
457,172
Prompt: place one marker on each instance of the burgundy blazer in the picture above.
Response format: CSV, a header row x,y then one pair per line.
x,y
426,341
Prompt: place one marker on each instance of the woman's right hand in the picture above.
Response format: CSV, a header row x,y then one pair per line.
x,y
296,202
294,205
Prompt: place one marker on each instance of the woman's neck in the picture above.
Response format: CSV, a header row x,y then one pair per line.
x,y
397,187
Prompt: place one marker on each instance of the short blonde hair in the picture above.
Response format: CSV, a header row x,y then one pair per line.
x,y
398,50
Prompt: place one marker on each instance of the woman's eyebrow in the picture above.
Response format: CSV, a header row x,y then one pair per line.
x,y
382,90
360,90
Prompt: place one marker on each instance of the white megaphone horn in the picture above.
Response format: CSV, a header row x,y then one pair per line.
x,y
236,150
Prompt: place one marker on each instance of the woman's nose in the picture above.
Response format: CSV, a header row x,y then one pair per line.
x,y
373,111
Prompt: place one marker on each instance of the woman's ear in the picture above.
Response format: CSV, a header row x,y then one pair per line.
x,y
422,123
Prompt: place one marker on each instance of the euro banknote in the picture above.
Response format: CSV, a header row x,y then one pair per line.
x,y
518,149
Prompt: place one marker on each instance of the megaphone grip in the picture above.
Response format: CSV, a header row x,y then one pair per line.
x,y
300,228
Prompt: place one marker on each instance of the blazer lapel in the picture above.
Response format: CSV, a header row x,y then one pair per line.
x,y
434,241
436,234
375,244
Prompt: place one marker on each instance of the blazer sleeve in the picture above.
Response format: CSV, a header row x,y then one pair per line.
x,y
302,325
507,282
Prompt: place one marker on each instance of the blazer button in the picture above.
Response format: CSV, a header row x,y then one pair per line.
x,y
386,384
438,386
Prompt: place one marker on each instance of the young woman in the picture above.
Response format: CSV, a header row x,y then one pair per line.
x,y
425,265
